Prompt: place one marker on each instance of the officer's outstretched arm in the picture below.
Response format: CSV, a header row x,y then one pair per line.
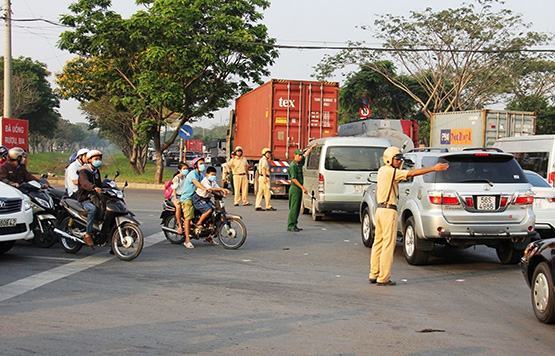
x,y
421,171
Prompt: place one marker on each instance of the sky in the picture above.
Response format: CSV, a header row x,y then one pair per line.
x,y
298,22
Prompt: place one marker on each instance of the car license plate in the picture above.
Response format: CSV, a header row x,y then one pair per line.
x,y
360,188
8,222
486,203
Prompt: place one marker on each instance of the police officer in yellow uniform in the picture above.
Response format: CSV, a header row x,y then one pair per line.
x,y
387,191
264,181
239,167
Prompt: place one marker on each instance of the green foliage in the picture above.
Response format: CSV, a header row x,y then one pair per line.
x,y
173,62
32,96
545,111
449,78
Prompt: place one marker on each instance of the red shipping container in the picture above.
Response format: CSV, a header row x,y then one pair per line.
x,y
284,115
15,133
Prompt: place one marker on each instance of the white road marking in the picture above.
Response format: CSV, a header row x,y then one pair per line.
x,y
50,258
35,281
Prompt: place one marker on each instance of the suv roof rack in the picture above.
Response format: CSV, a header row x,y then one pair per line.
x,y
429,149
485,149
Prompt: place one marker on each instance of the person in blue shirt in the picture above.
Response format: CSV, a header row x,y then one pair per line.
x,y
188,187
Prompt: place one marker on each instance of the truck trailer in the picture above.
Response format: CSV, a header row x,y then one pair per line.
x,y
478,128
283,115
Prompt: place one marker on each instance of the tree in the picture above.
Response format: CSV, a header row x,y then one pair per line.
x,y
172,63
460,57
32,96
385,99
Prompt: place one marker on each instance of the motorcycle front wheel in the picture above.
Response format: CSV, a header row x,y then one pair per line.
x,y
69,245
130,244
171,222
233,234
47,238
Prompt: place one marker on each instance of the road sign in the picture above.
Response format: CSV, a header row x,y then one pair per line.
x,y
185,132
365,112
15,133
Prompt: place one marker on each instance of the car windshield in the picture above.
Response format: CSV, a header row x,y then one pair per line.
x,y
353,158
479,168
536,180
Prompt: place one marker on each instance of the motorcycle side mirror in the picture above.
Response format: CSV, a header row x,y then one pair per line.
x,y
125,184
105,176
44,175
373,177
117,175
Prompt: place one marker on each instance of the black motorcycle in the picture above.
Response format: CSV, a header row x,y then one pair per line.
x,y
229,229
114,224
44,213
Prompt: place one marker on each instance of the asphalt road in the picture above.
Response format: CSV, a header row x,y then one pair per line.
x,y
282,293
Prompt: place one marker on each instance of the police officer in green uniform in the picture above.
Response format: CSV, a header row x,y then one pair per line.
x,y
296,189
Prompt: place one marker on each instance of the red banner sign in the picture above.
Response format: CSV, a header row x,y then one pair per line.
x,y
15,133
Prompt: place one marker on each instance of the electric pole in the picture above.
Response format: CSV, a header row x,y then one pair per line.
x,y
7,59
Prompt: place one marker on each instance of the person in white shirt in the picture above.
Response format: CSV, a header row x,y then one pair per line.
x,y
72,171
201,198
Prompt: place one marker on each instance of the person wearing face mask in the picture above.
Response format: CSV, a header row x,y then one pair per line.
x,y
89,183
188,187
14,171
72,171
202,197
183,170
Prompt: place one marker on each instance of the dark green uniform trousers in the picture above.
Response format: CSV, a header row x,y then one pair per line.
x,y
295,197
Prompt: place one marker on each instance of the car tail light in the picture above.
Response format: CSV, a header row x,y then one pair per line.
x,y
524,199
443,198
321,183
481,154
551,178
503,202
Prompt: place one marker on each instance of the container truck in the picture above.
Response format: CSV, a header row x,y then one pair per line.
x,y
399,132
283,115
478,128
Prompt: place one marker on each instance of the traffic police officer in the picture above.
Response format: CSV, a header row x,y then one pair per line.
x,y
239,167
264,181
387,191
296,189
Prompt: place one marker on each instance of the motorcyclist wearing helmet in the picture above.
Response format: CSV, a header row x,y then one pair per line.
x,y
89,183
3,154
72,171
387,191
14,171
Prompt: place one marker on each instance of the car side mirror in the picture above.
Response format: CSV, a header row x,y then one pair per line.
x,y
373,177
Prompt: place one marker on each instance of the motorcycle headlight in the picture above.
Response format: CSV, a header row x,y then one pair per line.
x,y
119,194
27,204
43,203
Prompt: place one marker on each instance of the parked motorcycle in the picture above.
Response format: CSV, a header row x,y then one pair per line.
x,y
44,213
229,229
114,224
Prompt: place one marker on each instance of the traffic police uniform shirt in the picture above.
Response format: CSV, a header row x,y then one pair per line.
x,y
385,176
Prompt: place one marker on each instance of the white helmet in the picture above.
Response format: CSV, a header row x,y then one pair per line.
x,y
15,153
93,153
82,151
389,154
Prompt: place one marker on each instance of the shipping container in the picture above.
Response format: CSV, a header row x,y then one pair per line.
x,y
478,128
283,115
399,132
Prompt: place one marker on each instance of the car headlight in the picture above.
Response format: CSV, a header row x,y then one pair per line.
x,y
27,204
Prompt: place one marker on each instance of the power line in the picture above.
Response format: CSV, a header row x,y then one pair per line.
x,y
37,20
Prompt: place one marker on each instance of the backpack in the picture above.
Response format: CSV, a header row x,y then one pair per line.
x,y
168,190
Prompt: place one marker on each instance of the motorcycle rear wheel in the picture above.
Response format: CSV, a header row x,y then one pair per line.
x,y
233,234
132,244
171,222
69,246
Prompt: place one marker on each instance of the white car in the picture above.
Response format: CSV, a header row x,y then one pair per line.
x,y
544,204
15,217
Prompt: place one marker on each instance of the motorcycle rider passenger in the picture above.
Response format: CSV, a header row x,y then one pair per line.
x,y
89,183
202,197
72,171
14,171
178,178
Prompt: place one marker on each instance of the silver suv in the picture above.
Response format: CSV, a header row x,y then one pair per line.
x,y
483,198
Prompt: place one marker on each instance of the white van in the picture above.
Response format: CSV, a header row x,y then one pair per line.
x,y
336,173
534,153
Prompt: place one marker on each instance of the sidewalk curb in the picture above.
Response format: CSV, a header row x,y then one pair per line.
x,y
144,186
